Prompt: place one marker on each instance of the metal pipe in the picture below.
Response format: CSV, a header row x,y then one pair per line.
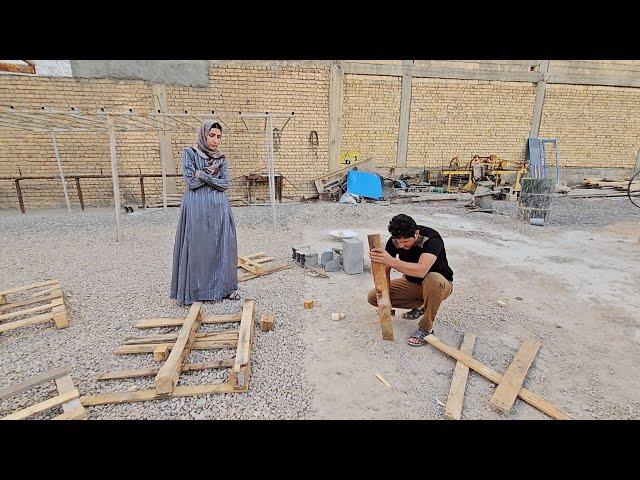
x,y
64,182
17,182
79,193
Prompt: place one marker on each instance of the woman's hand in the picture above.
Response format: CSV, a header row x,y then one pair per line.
x,y
197,173
211,170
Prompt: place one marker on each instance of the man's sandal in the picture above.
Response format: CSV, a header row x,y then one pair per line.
x,y
413,313
418,337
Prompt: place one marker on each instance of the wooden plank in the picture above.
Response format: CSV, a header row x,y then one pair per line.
x,y
249,267
17,68
151,372
244,344
167,377
198,345
73,409
145,395
178,322
8,316
27,321
512,380
30,301
28,287
59,311
32,382
172,337
453,408
42,406
382,290
526,395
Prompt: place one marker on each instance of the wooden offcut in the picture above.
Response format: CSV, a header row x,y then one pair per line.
x,y
512,380
453,407
167,377
382,290
267,322
526,395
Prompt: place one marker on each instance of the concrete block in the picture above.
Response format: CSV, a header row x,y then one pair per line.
x,y
334,265
325,257
295,249
353,256
310,259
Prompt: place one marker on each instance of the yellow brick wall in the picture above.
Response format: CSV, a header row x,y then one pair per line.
x,y
596,126
464,118
370,116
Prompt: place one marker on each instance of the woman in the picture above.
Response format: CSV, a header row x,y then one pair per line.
x,y
205,254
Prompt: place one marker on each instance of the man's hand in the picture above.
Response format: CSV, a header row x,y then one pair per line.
x,y
380,255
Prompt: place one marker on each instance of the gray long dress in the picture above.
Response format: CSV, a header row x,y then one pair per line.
x,y
205,253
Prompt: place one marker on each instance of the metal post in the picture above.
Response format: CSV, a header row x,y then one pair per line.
x,y
114,176
19,192
271,163
144,200
62,179
79,193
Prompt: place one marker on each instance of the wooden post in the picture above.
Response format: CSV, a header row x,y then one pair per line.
x,y
19,192
271,164
167,377
164,138
144,200
114,177
62,179
335,114
79,193
382,290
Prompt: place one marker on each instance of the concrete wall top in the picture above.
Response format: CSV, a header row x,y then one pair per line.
x,y
194,73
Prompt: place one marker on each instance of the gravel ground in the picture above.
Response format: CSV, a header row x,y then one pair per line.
x,y
109,286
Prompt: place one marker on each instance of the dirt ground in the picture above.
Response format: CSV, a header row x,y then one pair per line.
x,y
573,284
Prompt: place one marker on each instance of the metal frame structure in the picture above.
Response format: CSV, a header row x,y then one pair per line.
x,y
53,121
268,130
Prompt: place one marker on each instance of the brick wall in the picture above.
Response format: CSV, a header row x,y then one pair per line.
x,y
595,126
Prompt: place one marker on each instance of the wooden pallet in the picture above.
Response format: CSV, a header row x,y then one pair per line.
x,y
42,306
68,396
509,385
173,349
254,266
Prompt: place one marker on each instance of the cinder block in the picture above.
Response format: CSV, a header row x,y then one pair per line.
x,y
334,265
353,256
325,257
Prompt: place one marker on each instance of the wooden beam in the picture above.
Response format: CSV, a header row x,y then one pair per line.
x,y
336,94
529,397
172,337
32,382
178,322
243,351
405,112
73,409
453,408
30,301
27,321
42,406
167,377
59,311
164,137
382,290
151,372
512,380
28,287
145,395
114,177
197,345
17,68
20,313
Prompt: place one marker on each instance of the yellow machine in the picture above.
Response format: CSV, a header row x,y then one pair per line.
x,y
484,168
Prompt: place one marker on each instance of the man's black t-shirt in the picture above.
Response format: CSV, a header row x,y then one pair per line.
x,y
429,241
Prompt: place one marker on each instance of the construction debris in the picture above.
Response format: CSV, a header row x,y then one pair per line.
x,y
42,306
68,396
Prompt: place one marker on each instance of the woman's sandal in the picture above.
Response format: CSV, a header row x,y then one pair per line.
x,y
418,335
233,296
413,313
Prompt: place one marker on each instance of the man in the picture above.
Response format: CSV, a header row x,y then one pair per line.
x,y
427,279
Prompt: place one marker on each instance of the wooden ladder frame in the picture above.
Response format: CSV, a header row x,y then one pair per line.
x,y
49,306
253,266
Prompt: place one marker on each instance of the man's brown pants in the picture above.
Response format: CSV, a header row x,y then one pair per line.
x,y
405,294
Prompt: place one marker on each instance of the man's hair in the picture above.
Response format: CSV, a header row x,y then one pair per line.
x,y
402,226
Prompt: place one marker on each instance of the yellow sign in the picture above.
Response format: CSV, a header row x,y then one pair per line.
x,y
348,157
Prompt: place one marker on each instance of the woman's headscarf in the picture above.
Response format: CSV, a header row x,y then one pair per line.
x,y
214,157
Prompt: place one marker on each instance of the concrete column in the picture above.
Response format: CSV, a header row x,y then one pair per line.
x,y
166,157
540,93
405,112
335,114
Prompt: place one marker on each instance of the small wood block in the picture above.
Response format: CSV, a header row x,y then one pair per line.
x,y
308,304
161,353
267,322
